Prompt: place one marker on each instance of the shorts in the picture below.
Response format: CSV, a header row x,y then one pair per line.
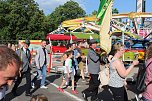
x,y
80,65
65,76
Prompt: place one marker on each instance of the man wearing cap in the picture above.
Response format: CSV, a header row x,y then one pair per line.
x,y
93,70
24,54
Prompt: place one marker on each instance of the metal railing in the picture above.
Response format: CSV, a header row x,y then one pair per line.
x,y
56,63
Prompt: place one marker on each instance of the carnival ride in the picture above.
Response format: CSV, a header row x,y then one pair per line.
x,y
129,27
123,26
133,25
89,25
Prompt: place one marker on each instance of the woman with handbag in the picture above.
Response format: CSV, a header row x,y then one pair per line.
x,y
118,73
147,95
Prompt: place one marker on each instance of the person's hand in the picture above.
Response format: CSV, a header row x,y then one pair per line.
x,y
48,66
19,74
20,70
40,77
38,67
135,62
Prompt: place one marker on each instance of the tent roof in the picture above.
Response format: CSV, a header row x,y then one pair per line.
x,y
60,37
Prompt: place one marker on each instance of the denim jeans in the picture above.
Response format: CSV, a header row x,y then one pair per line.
x,y
42,72
144,99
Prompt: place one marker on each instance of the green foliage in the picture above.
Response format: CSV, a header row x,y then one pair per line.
x,y
34,36
70,10
115,11
20,18
94,12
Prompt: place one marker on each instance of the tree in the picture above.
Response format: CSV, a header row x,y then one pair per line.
x,y
94,12
21,19
70,10
115,11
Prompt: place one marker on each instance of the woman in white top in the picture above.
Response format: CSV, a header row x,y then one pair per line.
x,y
118,73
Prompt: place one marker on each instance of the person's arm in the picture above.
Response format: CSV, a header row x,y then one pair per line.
x,y
37,59
67,68
110,58
19,53
78,55
122,71
48,58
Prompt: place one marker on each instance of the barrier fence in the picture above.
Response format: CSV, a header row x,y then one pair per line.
x,y
56,63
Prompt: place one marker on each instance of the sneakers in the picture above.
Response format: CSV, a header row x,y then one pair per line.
x,y
84,96
60,89
45,87
74,92
138,97
33,85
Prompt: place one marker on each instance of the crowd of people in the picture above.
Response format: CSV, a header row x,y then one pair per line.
x,y
15,63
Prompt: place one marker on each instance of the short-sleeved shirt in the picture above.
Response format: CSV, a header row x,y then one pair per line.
x,y
68,63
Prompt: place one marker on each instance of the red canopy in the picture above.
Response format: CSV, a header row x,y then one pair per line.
x,y
60,37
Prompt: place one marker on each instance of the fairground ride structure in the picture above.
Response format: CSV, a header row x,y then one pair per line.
x,y
130,26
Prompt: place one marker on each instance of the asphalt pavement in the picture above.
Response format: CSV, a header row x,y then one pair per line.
x,y
54,80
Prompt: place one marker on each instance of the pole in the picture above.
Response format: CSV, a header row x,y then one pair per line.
x,y
143,10
49,68
123,41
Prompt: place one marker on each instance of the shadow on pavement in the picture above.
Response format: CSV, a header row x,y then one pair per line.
x,y
21,88
52,78
20,91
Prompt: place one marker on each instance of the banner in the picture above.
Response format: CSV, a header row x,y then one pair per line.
x,y
102,10
105,39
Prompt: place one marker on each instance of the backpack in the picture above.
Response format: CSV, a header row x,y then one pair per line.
x,y
104,76
140,83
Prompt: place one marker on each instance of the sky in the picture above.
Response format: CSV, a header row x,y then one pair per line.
x,y
89,6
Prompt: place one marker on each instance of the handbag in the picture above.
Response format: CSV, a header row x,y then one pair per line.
x,y
104,76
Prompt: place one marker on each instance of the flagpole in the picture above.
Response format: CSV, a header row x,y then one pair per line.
x,y
50,43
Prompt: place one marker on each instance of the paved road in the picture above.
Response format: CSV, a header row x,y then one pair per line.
x,y
53,94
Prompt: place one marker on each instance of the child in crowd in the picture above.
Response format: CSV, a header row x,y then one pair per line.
x,y
68,72
63,59
39,97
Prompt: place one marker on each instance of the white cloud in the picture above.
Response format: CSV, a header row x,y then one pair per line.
x,y
49,5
